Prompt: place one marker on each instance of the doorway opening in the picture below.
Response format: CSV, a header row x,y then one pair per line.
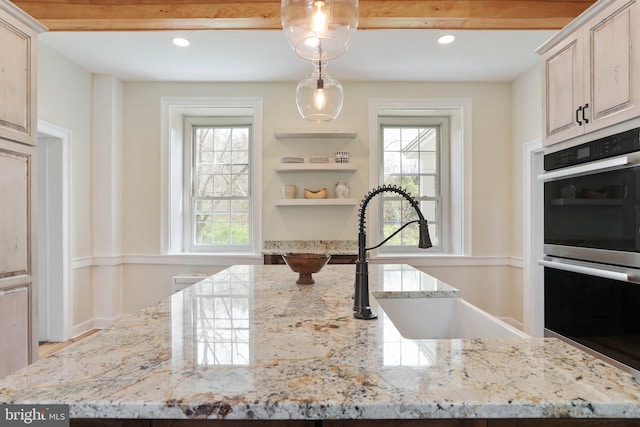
x,y
54,253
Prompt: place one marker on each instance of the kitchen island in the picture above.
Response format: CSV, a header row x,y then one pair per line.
x,y
249,344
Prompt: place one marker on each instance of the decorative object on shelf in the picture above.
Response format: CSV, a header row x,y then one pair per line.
x,y
305,265
319,29
319,97
311,194
342,157
318,159
289,191
291,159
342,190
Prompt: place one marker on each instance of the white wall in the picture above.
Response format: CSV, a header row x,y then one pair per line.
x,y
499,289
527,127
65,100
496,288
491,162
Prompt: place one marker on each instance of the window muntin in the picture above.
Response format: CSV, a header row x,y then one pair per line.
x,y
220,191
411,157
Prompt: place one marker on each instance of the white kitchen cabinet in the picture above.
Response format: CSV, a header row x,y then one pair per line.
x,y
591,72
18,248
18,34
18,215
563,75
14,328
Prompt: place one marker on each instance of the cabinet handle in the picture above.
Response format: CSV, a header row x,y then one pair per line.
x,y
584,113
578,115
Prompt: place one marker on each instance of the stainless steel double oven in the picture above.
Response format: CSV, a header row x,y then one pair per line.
x,y
592,247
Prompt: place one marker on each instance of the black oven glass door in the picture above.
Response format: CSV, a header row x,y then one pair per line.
x,y
599,313
598,210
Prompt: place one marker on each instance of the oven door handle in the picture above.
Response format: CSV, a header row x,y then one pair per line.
x,y
597,270
600,165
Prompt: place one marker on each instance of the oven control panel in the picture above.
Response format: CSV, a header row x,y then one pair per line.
x,y
622,143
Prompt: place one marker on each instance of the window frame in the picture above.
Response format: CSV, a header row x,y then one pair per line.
x,y
458,217
191,123
410,119
174,110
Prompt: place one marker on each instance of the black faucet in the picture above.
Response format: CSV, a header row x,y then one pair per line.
x,y
361,298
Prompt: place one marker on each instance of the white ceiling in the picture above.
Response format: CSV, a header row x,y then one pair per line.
x,y
265,56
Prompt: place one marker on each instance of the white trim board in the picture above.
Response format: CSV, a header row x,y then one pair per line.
x,y
55,238
532,242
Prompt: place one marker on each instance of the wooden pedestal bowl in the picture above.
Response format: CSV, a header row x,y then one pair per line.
x,y
305,265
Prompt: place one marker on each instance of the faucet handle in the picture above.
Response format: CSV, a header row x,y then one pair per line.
x,y
424,238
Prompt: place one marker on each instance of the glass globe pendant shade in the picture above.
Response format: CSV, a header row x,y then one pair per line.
x,y
319,30
319,97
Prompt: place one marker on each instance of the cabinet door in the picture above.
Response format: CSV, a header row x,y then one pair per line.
x,y
17,80
18,314
612,90
562,83
14,328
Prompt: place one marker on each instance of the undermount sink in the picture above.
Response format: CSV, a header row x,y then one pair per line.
x,y
444,318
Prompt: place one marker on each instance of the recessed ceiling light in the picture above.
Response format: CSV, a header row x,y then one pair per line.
x,y
180,41
446,39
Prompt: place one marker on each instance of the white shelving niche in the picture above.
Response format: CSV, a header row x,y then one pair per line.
x,y
309,135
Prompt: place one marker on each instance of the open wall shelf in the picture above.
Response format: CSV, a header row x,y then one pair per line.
x,y
314,134
318,167
316,202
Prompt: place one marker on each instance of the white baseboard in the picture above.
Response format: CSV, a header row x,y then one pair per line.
x,y
512,322
97,323
83,327
175,259
102,323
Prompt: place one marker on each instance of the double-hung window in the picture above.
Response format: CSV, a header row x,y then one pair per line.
x,y
414,156
211,156
218,189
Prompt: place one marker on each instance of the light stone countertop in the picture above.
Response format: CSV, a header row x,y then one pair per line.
x,y
332,247
248,343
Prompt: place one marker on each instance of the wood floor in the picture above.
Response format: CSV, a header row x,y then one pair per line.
x,y
46,349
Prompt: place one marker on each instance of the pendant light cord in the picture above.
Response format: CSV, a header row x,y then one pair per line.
x,y
320,84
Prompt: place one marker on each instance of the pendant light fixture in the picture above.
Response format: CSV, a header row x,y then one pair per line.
x,y
319,97
319,30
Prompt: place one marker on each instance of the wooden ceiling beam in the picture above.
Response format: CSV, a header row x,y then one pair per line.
x,y
131,15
